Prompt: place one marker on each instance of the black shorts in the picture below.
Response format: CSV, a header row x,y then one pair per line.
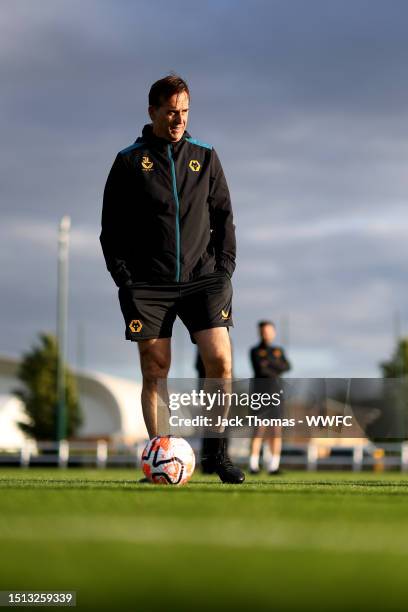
x,y
150,310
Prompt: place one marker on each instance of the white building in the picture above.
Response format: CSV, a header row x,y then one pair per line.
x,y
111,407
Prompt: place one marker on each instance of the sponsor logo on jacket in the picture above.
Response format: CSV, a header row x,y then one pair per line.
x,y
147,163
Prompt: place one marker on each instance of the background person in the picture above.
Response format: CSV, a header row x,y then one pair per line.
x,y
268,362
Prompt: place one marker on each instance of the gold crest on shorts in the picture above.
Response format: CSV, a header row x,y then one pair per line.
x,y
135,326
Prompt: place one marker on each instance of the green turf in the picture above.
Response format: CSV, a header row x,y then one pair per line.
x,y
300,541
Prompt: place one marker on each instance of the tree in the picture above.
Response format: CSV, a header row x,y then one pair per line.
x,y
396,391
38,374
397,366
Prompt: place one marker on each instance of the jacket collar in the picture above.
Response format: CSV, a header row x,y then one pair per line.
x,y
160,143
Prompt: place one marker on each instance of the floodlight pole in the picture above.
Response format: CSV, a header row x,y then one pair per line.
x,y
62,309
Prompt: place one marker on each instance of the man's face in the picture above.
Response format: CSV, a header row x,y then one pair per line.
x,y
268,333
170,118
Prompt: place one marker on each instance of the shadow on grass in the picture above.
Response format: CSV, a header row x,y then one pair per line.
x,y
275,487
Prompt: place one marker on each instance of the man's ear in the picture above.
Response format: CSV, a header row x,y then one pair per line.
x,y
152,112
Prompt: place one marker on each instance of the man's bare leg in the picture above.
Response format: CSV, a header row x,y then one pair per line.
x,y
275,447
215,350
255,451
155,358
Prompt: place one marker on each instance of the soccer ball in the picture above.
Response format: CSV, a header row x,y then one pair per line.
x,y
168,460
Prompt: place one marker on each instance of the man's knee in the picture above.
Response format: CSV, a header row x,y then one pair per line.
x,y
218,366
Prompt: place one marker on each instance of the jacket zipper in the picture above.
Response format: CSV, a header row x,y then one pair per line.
x,y
176,199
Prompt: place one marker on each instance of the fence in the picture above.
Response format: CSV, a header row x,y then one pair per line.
x,y
309,456
100,454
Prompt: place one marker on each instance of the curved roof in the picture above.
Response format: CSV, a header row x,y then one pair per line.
x,y
110,405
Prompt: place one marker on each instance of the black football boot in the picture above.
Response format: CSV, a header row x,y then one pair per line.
x,y
216,461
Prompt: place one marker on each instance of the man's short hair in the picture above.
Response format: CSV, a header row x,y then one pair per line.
x,y
163,89
263,323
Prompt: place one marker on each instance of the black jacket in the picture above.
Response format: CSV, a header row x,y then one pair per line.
x,y
268,361
166,212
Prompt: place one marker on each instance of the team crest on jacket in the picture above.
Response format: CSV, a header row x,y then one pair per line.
x,y
194,165
147,163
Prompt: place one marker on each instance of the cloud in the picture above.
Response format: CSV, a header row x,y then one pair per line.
x,y
306,105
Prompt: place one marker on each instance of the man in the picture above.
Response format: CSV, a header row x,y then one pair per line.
x,y
268,361
169,243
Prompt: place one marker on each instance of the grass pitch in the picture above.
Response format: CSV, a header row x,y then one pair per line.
x,y
321,541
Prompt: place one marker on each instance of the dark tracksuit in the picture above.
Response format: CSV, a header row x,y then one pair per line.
x,y
268,362
167,213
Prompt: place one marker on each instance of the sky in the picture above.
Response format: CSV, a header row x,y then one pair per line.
x,y
306,104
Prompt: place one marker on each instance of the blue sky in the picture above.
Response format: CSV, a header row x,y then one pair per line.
x,y
306,104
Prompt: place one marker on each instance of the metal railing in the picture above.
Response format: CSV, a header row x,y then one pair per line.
x,y
308,456
100,454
